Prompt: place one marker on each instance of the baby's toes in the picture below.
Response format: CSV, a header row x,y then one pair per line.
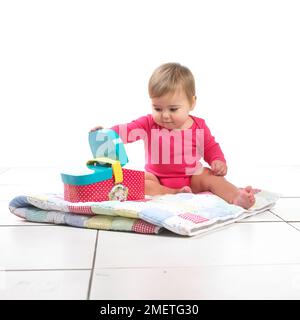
x,y
249,189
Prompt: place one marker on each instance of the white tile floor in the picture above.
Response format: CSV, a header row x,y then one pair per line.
x,y
257,258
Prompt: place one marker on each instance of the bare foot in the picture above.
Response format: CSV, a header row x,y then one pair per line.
x,y
244,198
185,189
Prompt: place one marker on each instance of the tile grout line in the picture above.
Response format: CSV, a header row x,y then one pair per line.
x,y
286,221
289,223
54,269
275,214
31,225
258,221
198,266
93,268
290,197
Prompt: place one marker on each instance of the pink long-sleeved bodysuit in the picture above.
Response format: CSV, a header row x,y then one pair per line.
x,y
173,156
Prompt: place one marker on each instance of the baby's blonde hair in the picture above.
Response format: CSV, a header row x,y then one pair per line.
x,y
169,77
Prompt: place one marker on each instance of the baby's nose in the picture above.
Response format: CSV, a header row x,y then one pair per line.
x,y
165,114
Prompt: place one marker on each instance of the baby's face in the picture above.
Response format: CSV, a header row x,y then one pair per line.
x,y
171,111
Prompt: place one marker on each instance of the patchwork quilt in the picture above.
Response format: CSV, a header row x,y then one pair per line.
x,y
184,213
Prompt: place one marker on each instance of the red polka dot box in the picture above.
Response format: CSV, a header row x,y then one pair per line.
x,y
103,178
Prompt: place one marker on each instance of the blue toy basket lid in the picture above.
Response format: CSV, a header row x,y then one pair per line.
x,y
107,143
86,176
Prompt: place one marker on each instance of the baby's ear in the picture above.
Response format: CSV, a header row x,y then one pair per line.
x,y
193,103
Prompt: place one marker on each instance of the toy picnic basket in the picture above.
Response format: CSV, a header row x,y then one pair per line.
x,y
104,178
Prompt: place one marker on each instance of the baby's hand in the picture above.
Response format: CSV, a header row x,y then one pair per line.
x,y
219,168
96,128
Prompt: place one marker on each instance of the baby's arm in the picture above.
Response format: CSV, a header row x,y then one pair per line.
x,y
213,154
132,131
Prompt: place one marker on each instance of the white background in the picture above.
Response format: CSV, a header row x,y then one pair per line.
x,y
66,66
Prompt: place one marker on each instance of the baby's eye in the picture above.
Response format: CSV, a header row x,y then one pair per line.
x,y
173,109
157,109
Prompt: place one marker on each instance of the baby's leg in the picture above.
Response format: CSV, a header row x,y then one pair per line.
x,y
153,186
207,181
